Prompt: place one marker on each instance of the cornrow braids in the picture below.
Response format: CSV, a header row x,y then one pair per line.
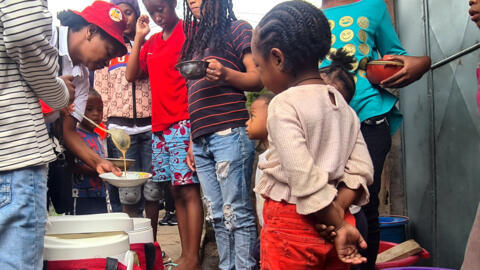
x,y
299,29
211,30
339,71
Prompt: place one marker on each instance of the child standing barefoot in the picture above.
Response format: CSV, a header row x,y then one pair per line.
x,y
316,147
223,153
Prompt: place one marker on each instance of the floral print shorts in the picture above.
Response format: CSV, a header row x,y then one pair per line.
x,y
169,157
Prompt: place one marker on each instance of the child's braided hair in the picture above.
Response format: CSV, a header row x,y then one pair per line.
x,y
299,29
211,30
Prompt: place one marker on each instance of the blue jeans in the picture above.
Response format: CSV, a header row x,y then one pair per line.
x,y
140,150
23,215
224,167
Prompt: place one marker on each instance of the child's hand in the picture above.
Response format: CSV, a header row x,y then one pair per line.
x,y
142,28
346,242
413,69
326,232
215,71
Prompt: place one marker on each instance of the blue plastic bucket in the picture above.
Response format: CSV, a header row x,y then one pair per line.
x,y
392,228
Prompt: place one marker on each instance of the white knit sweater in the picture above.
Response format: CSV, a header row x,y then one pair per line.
x,y
314,145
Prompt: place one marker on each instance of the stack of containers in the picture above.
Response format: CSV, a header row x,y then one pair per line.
x,y
141,241
89,242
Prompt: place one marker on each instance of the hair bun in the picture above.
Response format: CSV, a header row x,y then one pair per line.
x,y
340,58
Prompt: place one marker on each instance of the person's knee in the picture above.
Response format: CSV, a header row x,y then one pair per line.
x,y
130,196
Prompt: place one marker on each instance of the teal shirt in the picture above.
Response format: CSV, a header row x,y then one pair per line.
x,y
365,29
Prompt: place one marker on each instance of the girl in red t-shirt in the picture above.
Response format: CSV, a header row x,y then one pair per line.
x,y
170,124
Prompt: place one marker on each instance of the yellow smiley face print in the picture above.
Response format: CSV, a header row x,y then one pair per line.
x,y
350,49
364,49
333,39
355,79
346,35
362,35
363,22
332,24
346,21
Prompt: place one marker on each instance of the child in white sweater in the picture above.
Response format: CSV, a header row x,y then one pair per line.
x,y
316,149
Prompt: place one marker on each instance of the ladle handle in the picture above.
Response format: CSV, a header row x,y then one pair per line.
x,y
90,120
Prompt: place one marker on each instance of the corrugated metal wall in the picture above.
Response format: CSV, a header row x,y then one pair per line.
x,y
441,131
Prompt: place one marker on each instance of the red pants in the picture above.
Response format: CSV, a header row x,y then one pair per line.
x,y
289,241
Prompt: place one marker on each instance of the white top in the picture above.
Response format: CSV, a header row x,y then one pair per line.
x,y
314,145
80,73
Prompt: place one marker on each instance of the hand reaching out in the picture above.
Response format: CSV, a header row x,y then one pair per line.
x,y
413,69
106,166
215,71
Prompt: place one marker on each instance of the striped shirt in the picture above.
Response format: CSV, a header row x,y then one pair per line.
x,y
215,106
28,69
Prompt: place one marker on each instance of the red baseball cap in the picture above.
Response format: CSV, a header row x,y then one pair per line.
x,y
108,17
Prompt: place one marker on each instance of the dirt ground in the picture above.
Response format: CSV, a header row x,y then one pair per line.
x,y
169,240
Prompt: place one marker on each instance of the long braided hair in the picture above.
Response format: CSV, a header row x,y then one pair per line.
x,y
299,29
211,30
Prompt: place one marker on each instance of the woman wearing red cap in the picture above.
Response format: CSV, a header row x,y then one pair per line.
x,y
87,40
127,107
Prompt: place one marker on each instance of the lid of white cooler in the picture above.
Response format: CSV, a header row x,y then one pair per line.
x,y
112,222
85,246
140,224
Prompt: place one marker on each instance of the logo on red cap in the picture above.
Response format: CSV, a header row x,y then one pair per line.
x,y
115,14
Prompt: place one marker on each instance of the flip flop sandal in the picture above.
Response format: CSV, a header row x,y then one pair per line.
x,y
170,266
165,258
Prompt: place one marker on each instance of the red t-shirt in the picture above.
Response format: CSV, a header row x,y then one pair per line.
x,y
158,58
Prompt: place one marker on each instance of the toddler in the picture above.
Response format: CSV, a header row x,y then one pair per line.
x,y
88,190
315,146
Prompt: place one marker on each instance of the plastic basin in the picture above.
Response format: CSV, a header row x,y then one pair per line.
x,y
392,228
403,262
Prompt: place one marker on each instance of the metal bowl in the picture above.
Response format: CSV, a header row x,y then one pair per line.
x,y
192,70
119,162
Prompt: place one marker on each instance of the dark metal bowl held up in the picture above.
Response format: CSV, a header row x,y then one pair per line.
x,y
192,70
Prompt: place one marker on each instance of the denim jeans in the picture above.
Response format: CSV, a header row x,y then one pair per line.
x,y
224,167
23,215
140,150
